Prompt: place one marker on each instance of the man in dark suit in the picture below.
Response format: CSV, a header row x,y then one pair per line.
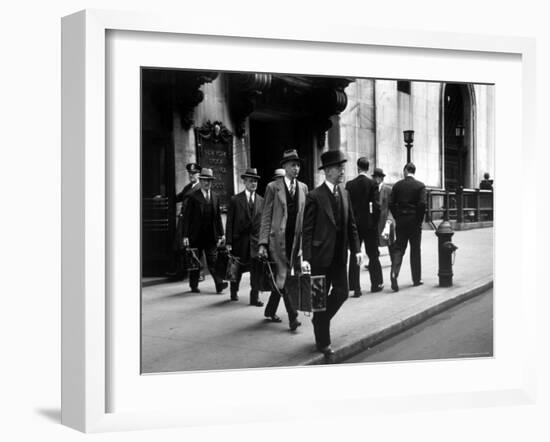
x,y
329,231
176,264
281,232
242,229
362,192
407,205
202,227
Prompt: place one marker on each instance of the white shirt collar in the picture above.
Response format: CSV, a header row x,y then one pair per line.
x,y
364,172
248,195
411,175
330,186
205,193
287,182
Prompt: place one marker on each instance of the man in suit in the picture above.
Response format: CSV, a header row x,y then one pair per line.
x,y
202,227
362,192
329,231
281,232
486,183
386,224
242,229
176,264
407,205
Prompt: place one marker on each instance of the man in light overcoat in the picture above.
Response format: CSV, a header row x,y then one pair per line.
x,y
281,232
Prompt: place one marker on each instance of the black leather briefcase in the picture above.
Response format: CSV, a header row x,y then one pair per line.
x,y
191,261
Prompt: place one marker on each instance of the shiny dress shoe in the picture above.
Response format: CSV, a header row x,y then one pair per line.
x,y
394,285
377,288
294,324
220,287
357,294
274,318
257,303
195,290
417,283
327,351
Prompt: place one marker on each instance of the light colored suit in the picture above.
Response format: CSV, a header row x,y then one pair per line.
x,y
385,214
272,231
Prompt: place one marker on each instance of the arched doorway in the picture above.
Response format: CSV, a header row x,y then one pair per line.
x,y
458,109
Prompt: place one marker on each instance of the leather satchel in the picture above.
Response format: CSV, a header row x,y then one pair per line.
x,y
266,275
191,261
221,263
232,269
307,293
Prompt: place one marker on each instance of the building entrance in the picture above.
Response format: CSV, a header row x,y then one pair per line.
x,y
457,136
269,138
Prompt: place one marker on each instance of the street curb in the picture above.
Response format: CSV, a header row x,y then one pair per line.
x,y
350,349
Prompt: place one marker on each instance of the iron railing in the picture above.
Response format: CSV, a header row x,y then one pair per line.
x,y
462,205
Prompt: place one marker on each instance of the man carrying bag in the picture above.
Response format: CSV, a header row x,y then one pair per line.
x,y
329,230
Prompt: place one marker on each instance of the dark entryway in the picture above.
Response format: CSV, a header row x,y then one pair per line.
x,y
457,135
269,138
157,175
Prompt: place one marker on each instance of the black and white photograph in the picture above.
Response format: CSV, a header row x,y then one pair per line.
x,y
292,220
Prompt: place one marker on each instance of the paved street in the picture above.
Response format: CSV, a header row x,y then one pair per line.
x,y
463,331
188,331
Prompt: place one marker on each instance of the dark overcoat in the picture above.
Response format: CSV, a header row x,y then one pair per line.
x,y
362,193
242,230
408,200
182,198
193,219
319,243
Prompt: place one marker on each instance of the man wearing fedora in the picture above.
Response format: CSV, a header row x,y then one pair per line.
x,y
202,227
362,191
407,205
244,217
176,265
329,232
281,232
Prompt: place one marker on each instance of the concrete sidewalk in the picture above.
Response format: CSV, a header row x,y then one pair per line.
x,y
184,331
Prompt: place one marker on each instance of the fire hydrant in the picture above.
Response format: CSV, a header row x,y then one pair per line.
x,y
446,249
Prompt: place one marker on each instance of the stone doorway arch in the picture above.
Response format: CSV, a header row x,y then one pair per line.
x,y
458,129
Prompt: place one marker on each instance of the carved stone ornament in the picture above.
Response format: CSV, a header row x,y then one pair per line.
x,y
215,132
246,88
187,93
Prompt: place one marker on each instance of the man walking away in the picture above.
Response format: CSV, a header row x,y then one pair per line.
x,y
362,191
407,205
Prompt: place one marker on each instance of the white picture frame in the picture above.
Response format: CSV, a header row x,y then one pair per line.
x,y
86,235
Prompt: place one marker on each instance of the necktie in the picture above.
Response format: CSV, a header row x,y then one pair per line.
x,y
208,197
292,188
336,194
250,205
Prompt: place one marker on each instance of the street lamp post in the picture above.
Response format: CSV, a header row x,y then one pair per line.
x,y
408,137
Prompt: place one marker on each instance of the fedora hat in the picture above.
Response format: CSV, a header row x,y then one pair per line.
x,y
332,158
251,173
193,168
378,172
206,174
290,155
279,173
